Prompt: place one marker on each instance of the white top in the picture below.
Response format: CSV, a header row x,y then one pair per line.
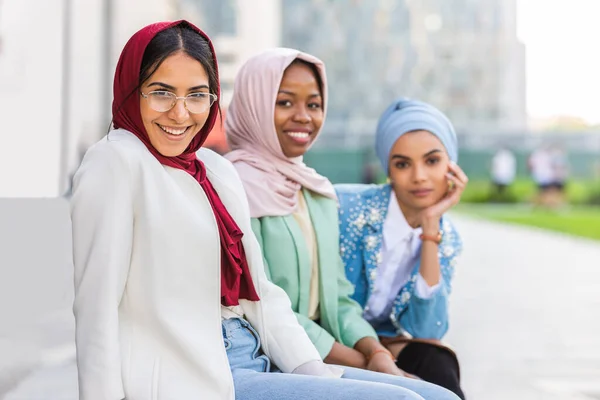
x,y
400,251
560,165
147,263
541,167
231,312
504,167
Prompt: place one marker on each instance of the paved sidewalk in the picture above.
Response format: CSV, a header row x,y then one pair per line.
x,y
525,313
525,310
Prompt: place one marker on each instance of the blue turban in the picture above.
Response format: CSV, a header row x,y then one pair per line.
x,y
404,116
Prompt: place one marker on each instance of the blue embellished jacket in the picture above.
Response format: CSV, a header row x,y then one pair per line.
x,y
362,212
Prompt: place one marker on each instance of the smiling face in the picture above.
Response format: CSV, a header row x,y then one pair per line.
x,y
418,166
172,131
298,109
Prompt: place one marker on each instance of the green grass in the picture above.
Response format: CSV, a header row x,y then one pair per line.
x,y
523,190
581,221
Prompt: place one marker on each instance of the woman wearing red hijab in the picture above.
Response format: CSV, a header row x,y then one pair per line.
x,y
171,298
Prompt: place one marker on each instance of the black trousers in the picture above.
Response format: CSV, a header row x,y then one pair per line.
x,y
432,364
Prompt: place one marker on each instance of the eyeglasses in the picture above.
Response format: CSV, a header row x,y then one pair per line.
x,y
195,103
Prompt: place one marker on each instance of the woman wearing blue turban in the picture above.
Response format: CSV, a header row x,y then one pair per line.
x,y
399,248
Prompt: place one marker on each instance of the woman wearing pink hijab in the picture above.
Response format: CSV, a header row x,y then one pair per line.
x,y
277,111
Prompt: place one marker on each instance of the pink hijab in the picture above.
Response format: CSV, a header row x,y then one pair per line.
x,y
271,179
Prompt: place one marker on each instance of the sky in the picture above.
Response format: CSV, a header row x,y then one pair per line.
x,y
563,57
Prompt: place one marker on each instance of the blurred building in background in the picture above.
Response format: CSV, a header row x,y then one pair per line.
x,y
238,29
463,56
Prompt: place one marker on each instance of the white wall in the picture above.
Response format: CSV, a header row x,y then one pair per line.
x,y
30,82
31,63
87,80
259,26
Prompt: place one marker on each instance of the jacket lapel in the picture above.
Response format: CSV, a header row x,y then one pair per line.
x,y
372,216
325,234
303,262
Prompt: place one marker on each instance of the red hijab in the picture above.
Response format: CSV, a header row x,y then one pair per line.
x,y
236,281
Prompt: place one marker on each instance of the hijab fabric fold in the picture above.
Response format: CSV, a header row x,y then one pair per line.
x,y
236,281
271,179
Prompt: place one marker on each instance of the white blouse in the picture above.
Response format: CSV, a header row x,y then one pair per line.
x,y
400,251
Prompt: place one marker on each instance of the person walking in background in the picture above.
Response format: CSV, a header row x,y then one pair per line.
x,y
276,113
398,246
171,297
503,171
560,173
542,173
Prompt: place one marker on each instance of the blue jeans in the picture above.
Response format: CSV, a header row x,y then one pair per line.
x,y
255,378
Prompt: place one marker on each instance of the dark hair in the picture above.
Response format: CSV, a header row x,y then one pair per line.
x,y
313,68
181,37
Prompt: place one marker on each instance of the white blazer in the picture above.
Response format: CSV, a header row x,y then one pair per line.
x,y
147,279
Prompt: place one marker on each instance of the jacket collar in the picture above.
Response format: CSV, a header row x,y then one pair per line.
x,y
376,211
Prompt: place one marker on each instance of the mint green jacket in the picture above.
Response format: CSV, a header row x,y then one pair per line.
x,y
287,264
